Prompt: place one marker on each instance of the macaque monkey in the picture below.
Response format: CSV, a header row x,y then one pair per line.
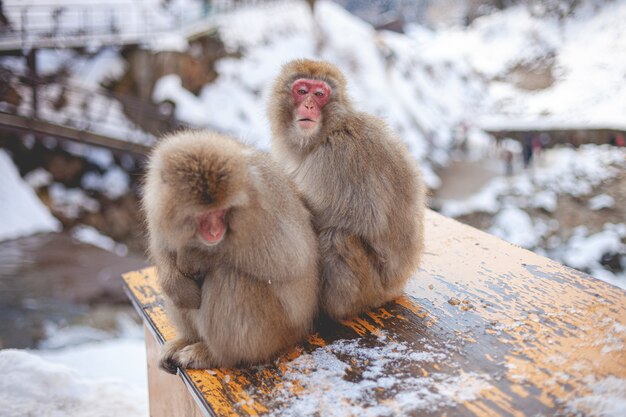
x,y
359,181
235,251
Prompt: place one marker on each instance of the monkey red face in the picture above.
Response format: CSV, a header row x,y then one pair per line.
x,y
310,97
211,226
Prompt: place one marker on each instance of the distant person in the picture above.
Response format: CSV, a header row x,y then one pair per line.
x,y
619,140
507,155
57,16
527,149
5,24
537,147
460,137
545,140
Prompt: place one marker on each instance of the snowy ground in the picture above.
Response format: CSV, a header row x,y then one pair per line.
x,y
96,379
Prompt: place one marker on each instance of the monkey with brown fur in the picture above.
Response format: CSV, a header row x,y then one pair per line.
x,y
359,181
234,248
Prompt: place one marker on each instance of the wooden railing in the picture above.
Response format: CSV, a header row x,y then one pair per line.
x,y
484,329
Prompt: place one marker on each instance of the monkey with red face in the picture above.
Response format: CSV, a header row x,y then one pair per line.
x,y
235,251
359,181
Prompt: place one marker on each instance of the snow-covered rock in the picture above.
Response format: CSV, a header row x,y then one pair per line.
x,y
114,183
21,211
586,251
71,201
515,225
601,201
92,236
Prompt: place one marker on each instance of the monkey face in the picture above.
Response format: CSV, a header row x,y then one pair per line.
x,y
309,96
211,227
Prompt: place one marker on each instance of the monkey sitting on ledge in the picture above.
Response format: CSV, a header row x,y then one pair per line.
x,y
358,179
234,249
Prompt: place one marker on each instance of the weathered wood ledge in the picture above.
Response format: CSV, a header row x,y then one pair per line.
x,y
485,328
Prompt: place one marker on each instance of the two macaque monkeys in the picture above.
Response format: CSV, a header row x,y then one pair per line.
x,y
250,248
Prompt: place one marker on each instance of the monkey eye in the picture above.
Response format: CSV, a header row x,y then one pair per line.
x,y
302,91
319,94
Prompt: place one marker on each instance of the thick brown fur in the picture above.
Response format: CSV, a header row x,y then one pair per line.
x,y
253,294
363,188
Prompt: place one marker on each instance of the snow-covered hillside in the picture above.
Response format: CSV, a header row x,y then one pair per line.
x,y
421,96
582,57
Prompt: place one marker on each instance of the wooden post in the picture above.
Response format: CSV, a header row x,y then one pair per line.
x,y
168,394
31,63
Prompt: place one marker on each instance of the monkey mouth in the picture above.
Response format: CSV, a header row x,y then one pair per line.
x,y
307,123
211,226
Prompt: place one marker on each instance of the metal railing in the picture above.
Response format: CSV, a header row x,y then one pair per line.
x,y
114,23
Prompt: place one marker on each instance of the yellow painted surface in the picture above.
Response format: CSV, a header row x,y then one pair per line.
x,y
540,332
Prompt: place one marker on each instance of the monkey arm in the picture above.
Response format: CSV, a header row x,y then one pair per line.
x,y
359,197
181,287
280,252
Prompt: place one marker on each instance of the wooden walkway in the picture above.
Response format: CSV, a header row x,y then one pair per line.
x,y
485,329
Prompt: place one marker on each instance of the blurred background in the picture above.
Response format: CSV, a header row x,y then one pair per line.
x,y
515,112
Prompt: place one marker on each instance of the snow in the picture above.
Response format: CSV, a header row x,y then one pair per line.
x,y
90,235
102,157
425,85
31,385
106,66
170,87
515,225
122,359
545,199
580,53
601,201
114,183
419,96
38,178
21,211
606,399
329,390
58,338
71,201
79,371
584,251
559,171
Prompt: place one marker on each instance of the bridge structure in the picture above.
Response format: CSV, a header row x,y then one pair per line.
x,y
70,112
77,113
76,24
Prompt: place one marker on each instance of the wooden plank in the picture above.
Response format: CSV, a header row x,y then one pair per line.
x,y
485,328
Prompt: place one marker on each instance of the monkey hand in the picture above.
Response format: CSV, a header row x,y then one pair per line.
x,y
184,292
